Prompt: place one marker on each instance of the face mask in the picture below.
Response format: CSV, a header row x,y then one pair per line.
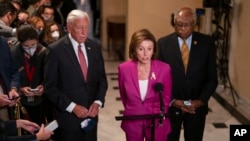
x,y
30,50
39,31
55,35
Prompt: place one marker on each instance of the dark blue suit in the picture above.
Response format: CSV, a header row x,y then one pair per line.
x,y
8,69
199,82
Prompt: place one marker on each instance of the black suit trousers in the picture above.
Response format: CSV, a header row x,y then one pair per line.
x,y
193,125
77,135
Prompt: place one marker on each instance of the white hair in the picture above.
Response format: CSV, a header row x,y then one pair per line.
x,y
76,14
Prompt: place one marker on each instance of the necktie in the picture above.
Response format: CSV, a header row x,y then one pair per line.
x,y
185,54
83,63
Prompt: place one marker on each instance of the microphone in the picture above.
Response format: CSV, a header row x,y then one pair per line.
x,y
159,88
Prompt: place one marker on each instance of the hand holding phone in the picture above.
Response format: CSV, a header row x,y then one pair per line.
x,y
34,90
14,98
187,103
52,125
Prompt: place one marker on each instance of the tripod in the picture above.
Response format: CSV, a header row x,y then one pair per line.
x,y
221,36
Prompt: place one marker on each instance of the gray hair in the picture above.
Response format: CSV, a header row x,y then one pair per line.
x,y
76,14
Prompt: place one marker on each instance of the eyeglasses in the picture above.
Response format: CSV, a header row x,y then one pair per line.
x,y
180,25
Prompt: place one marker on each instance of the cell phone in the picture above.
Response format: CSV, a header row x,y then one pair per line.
x,y
14,98
52,126
187,102
34,90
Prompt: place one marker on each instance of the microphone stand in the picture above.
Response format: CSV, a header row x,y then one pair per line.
x,y
161,107
159,88
153,117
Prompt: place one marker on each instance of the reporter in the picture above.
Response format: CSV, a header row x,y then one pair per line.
x,y
29,57
9,128
9,79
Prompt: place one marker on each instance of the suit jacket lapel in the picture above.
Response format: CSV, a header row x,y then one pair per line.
x,y
193,51
89,52
68,47
134,74
91,57
151,80
176,48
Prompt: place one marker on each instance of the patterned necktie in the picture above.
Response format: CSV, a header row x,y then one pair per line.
x,y
83,63
185,54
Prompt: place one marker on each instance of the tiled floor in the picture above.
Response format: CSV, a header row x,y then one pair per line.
x,y
217,123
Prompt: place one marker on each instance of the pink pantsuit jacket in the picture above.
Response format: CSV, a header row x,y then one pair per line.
x,y
133,105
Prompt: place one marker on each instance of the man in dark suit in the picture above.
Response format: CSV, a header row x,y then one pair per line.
x,y
77,92
194,75
9,78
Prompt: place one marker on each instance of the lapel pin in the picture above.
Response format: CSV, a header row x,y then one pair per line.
x,y
195,42
153,76
88,48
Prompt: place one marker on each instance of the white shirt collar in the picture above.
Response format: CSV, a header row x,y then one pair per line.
x,y
75,47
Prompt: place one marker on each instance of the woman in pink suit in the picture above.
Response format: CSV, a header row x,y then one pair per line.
x,y
137,80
